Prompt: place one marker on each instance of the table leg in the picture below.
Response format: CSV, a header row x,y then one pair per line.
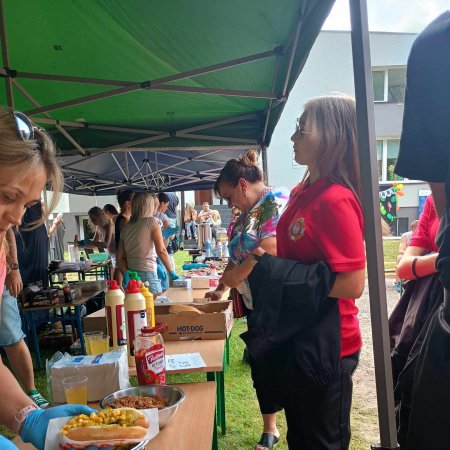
x,y
227,353
31,325
215,445
80,329
221,387
219,378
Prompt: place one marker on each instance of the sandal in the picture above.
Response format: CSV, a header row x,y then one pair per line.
x,y
268,440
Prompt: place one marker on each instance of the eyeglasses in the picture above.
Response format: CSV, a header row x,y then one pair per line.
x,y
24,127
299,128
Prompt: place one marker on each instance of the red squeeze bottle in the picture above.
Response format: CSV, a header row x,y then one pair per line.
x,y
150,356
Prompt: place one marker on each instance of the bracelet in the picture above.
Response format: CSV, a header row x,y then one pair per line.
x,y
413,267
21,416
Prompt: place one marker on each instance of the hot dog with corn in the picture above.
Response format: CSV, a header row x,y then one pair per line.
x,y
108,424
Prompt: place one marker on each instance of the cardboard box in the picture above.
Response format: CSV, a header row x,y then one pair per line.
x,y
200,282
215,323
95,321
107,373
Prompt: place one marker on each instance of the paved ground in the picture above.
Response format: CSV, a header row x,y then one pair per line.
x,y
365,419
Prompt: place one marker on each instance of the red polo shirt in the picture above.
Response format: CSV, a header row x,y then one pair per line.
x,y
324,222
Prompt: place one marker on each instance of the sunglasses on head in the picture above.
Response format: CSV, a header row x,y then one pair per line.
x,y
24,127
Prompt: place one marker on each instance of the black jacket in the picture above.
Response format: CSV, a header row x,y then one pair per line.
x,y
294,324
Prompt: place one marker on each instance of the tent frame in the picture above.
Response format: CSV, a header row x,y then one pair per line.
x,y
366,139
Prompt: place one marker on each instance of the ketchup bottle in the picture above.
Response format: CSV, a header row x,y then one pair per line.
x,y
149,355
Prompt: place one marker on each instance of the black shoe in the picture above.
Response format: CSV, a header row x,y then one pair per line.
x,y
245,356
268,440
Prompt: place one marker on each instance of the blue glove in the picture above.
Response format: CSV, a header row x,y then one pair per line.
x,y
161,271
125,279
173,275
34,427
170,231
6,444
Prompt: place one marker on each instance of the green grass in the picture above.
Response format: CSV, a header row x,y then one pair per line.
x,y
244,424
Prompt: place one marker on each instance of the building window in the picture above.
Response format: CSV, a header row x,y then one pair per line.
x,y
387,155
389,85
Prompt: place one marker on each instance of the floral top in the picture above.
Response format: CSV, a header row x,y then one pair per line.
x,y
252,228
260,223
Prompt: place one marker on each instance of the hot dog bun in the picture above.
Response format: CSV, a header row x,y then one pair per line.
x,y
108,424
184,310
106,433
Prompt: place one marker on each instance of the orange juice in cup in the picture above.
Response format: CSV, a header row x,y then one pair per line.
x,y
88,335
75,388
99,344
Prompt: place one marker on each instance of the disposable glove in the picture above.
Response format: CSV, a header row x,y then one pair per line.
x,y
173,275
34,427
170,231
161,271
6,444
125,279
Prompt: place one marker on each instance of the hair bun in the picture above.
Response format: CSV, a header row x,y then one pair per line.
x,y
250,159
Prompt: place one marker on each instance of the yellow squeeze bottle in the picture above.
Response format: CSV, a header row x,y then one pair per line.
x,y
149,304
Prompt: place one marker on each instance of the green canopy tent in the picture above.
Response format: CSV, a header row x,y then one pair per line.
x,y
160,94
156,94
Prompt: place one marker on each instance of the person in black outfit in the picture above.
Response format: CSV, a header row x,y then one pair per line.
x,y
424,154
124,198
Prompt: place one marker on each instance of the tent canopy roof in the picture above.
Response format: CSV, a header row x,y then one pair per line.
x,y
159,80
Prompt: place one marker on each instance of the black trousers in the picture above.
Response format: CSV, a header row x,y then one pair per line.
x,y
318,417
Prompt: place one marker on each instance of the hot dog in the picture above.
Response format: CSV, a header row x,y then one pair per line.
x,y
108,424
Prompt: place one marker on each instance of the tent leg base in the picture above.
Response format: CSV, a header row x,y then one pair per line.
x,y
380,447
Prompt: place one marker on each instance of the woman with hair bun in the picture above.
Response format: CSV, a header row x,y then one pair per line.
x,y
241,185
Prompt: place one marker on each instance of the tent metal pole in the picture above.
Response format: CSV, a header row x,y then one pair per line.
x,y
264,163
5,56
139,170
372,221
180,76
59,127
216,138
181,132
293,49
92,126
149,84
86,99
224,92
119,166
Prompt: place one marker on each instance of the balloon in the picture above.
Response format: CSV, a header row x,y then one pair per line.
x,y
400,186
401,193
394,183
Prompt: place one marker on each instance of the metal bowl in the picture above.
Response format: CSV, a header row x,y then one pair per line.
x,y
172,395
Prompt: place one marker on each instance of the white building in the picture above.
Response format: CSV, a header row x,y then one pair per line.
x,y
329,68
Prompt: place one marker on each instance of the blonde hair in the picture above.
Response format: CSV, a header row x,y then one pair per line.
x,y
334,118
144,204
23,156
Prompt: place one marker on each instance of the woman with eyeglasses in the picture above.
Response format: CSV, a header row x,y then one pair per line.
x,y
27,164
322,223
241,185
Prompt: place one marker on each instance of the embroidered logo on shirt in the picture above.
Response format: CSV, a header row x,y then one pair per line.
x,y
297,229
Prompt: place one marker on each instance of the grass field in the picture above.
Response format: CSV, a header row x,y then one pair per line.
x,y
243,418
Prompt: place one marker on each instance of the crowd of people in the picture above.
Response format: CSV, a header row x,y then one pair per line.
x,y
297,259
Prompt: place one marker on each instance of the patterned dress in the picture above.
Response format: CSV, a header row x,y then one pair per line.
x,y
252,228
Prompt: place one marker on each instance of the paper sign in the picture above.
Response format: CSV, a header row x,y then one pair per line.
x,y
184,361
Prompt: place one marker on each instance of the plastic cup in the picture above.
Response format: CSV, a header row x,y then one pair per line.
x,y
99,344
75,388
88,335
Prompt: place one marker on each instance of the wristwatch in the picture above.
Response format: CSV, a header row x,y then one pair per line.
x,y
14,266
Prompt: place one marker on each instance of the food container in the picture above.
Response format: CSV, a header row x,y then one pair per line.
x,y
98,257
171,394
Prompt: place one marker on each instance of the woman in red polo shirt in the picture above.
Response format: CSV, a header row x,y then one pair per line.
x,y
323,222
